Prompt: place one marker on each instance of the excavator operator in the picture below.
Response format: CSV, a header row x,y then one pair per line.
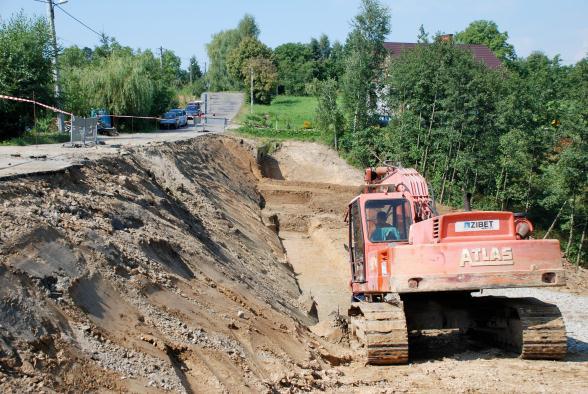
x,y
383,231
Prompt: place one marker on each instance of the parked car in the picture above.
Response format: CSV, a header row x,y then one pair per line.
x,y
194,109
169,119
181,116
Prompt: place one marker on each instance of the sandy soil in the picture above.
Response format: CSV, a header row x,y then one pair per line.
x,y
178,267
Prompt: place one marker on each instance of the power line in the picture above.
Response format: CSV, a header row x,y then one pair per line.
x,y
79,21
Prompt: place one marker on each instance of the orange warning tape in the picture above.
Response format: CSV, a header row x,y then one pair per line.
x,y
4,97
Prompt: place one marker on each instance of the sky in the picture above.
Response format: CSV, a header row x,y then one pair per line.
x,y
553,27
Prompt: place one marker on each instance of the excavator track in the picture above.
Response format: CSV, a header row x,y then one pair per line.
x,y
543,330
532,328
381,328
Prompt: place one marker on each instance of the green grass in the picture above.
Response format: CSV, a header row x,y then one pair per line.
x,y
279,135
283,119
29,138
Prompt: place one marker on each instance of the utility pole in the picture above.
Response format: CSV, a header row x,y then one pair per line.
x,y
51,14
251,72
161,57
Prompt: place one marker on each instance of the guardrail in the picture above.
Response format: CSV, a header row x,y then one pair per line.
x,y
211,120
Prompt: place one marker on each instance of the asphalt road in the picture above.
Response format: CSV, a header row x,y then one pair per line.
x,y
21,160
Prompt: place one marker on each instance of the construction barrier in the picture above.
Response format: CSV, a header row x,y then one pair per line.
x,y
4,97
84,131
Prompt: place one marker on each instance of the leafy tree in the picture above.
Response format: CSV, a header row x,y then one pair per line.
x,y
25,69
130,84
265,79
364,64
295,67
219,49
328,116
172,72
248,27
194,69
444,103
248,48
75,57
487,33
334,65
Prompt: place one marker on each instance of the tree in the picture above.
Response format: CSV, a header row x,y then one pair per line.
x,y
334,66
25,70
248,27
487,33
328,116
295,67
172,72
124,83
220,47
265,78
249,48
364,65
194,69
444,104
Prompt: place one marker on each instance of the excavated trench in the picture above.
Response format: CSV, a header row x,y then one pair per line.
x,y
309,218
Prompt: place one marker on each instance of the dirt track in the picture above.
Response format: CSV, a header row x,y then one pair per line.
x,y
162,269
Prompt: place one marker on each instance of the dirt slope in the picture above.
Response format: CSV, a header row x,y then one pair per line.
x,y
148,271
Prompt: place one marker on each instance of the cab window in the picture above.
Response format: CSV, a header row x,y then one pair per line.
x,y
388,220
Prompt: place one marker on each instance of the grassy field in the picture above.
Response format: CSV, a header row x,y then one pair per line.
x,y
288,117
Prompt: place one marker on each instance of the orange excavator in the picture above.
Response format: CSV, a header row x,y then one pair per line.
x,y
413,270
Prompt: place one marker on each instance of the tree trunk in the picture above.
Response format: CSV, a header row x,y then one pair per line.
x,y
555,220
454,169
528,198
503,205
498,186
579,256
571,236
445,169
428,142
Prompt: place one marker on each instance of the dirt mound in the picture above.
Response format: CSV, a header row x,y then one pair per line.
x,y
152,270
310,162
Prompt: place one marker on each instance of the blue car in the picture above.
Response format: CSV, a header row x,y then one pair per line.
x,y
182,117
169,120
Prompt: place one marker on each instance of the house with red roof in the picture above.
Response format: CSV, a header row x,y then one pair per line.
x,y
481,52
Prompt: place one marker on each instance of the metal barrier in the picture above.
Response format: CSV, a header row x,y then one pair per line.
x,y
84,131
202,121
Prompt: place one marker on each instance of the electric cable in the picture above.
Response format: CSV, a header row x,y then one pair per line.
x,y
79,21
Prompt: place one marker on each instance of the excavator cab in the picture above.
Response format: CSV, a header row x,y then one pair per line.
x,y
376,222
